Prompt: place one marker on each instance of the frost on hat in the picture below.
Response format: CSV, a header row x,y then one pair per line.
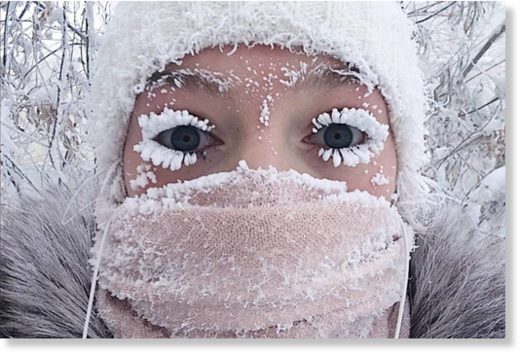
x,y
143,37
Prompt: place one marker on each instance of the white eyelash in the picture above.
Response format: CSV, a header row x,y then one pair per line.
x,y
153,124
360,119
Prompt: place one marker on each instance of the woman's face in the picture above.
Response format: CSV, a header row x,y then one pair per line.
x,y
262,114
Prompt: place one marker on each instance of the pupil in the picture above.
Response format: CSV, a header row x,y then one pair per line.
x,y
185,138
338,136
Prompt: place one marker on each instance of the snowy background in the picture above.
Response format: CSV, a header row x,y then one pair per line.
x,y
48,50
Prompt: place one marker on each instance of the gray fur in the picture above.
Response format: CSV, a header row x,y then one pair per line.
x,y
457,284
44,276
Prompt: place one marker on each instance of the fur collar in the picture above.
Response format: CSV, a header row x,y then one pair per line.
x,y
457,280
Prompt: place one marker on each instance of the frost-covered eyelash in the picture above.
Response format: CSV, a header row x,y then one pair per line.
x,y
360,119
153,124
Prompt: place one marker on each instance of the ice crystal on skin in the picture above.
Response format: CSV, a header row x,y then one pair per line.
x,y
264,110
144,174
293,75
357,118
379,178
153,124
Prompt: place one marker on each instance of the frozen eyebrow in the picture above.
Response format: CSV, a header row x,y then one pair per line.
x,y
211,82
325,76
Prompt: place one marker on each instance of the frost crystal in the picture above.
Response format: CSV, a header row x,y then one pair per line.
x,y
294,75
144,174
264,110
379,178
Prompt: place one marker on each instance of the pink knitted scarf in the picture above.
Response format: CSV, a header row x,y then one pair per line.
x,y
253,254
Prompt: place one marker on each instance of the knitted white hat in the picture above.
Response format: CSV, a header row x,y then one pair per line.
x,y
143,37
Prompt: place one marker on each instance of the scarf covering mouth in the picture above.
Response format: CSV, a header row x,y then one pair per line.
x,y
252,253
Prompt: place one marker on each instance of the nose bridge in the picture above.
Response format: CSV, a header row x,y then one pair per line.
x,y
266,139
261,152
264,147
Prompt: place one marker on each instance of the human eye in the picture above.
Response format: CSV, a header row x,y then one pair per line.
x,y
184,138
337,135
350,136
173,138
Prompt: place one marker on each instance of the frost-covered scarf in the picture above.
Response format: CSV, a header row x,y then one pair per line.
x,y
253,253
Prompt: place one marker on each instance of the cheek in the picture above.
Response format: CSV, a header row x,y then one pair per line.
x,y
377,177
131,159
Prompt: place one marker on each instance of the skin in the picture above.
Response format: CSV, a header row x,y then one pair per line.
x,y
285,143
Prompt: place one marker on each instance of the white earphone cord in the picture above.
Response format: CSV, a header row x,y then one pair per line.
x,y
404,288
94,280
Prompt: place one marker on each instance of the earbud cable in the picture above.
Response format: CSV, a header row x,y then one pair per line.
x,y
404,288
94,279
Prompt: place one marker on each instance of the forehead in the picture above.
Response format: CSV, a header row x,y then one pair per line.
x,y
263,56
256,70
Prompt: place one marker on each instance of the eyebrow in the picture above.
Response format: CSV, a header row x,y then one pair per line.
x,y
214,83
328,77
